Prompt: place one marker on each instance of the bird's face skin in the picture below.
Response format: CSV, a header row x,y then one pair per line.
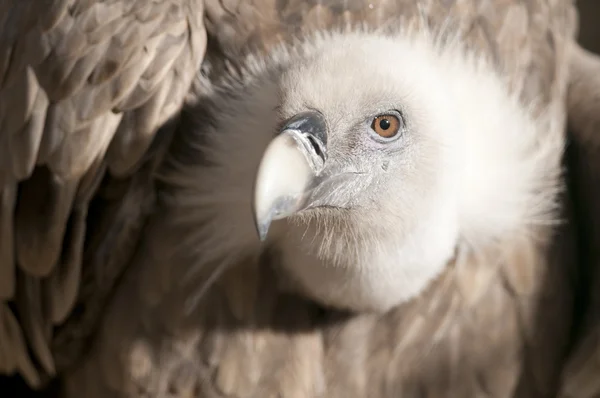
x,y
362,163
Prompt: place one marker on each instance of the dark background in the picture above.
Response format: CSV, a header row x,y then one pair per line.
x,y
589,24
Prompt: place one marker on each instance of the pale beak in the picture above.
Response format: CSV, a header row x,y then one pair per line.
x,y
289,169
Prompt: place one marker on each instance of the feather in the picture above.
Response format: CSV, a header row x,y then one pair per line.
x,y
36,322
63,285
15,355
71,73
40,217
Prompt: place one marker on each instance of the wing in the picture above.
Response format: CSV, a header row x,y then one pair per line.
x,y
247,339
581,377
84,87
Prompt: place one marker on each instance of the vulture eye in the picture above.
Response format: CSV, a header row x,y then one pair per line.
x,y
387,125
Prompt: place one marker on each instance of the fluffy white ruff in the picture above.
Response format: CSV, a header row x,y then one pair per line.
x,y
492,172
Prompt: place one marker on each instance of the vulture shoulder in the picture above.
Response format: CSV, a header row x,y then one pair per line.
x,y
84,87
581,374
484,328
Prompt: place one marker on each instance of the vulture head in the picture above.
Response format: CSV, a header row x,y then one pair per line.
x,y
368,162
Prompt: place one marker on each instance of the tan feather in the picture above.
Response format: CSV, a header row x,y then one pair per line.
x,y
15,352
35,321
40,220
71,73
62,287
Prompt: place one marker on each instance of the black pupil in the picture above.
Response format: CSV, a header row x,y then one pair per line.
x,y
384,124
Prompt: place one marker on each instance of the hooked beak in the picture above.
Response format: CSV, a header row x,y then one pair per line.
x,y
289,169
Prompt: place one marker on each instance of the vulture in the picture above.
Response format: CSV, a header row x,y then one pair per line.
x,y
344,198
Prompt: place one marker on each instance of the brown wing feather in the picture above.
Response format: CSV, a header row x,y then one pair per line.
x,y
581,377
84,86
483,329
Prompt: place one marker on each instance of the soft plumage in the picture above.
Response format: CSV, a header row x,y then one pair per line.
x,y
220,314
471,169
204,309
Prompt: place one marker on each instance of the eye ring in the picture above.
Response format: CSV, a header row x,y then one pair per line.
x,y
387,125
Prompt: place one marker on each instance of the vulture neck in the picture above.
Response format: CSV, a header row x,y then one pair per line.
x,y
369,264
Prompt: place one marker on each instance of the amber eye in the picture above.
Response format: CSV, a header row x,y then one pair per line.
x,y
386,126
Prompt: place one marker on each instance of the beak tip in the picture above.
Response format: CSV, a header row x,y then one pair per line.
x,y
263,230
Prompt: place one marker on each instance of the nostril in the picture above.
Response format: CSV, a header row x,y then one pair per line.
x,y
315,145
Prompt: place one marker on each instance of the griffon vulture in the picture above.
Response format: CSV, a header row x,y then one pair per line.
x,y
289,198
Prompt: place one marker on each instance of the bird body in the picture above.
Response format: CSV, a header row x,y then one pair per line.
x,y
377,279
